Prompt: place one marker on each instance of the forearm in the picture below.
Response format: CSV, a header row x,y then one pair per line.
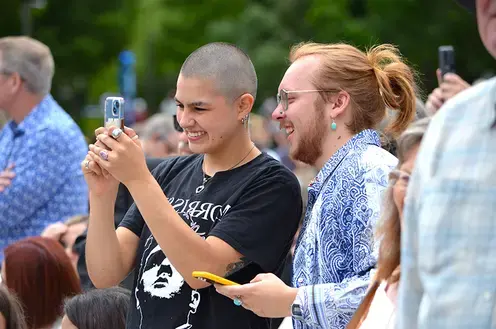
x,y
186,250
103,253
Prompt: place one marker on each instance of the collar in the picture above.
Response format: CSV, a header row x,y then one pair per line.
x,y
359,141
32,121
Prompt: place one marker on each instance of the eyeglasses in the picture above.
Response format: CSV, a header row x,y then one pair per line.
x,y
282,96
177,126
400,177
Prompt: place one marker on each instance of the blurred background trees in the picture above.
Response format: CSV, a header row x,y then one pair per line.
x,y
86,37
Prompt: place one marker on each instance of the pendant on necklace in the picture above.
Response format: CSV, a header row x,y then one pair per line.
x,y
200,188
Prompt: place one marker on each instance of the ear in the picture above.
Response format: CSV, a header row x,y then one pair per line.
x,y
340,104
244,105
15,81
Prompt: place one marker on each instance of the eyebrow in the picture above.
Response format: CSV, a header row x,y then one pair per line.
x,y
193,104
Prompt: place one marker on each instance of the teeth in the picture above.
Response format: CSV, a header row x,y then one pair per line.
x,y
195,134
289,130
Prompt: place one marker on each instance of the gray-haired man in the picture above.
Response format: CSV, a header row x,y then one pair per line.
x,y
41,147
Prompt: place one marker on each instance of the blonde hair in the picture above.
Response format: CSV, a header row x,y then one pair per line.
x,y
31,59
375,80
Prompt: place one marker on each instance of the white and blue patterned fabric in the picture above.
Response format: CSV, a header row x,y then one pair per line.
x,y
336,251
448,269
47,148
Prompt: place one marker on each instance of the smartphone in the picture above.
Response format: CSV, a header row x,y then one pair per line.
x,y
213,279
446,60
114,112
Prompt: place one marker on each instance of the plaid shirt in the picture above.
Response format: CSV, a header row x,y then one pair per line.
x,y
448,271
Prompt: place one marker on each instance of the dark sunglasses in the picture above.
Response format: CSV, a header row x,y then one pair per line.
x,y
177,127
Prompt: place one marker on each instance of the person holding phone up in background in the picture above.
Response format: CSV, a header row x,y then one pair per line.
x,y
449,82
228,209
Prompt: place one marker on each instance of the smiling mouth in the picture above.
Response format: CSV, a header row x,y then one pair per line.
x,y
195,134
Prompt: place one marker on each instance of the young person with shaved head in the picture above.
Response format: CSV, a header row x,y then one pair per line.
x,y
227,209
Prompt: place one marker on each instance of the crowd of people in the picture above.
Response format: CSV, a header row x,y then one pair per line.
x,y
345,203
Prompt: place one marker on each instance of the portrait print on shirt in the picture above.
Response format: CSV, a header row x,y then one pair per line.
x,y
158,278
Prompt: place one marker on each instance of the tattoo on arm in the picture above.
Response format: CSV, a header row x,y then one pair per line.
x,y
234,267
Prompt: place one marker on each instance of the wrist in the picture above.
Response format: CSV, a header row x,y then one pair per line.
x,y
105,200
136,184
291,294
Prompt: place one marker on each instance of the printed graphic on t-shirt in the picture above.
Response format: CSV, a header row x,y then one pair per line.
x,y
158,282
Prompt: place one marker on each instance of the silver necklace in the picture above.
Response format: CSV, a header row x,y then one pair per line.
x,y
207,178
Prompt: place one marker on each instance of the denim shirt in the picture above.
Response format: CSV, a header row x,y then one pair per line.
x,y
336,251
47,148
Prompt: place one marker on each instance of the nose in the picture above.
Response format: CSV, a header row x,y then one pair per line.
x,y
184,118
278,113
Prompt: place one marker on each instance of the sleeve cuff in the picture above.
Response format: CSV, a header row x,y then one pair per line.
x,y
306,298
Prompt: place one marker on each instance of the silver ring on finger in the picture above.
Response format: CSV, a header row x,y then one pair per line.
x,y
116,133
87,164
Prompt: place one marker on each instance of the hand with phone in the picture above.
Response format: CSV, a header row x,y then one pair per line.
x,y
449,85
449,82
99,180
266,295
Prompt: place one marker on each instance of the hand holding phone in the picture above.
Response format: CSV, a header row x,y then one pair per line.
x,y
213,279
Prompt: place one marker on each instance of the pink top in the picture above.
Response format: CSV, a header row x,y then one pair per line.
x,y
382,311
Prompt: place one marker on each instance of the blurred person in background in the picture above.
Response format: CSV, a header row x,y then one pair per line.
x,y
41,181
388,140
97,309
66,233
158,136
378,308
281,145
260,136
11,313
217,210
41,275
448,271
182,143
331,99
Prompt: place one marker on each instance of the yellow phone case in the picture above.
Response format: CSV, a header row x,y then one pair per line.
x,y
213,279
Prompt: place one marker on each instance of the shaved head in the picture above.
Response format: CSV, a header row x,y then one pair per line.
x,y
226,65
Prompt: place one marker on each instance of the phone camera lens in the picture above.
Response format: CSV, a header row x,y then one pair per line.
x,y
115,107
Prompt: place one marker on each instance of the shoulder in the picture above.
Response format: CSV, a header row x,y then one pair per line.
x,y
58,123
172,166
372,163
266,168
377,163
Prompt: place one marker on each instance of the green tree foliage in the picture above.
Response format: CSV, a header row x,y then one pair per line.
x,y
87,35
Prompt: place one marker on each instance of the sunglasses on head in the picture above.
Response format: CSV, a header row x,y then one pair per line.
x,y
177,127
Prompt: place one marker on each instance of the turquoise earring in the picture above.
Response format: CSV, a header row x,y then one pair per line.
x,y
333,125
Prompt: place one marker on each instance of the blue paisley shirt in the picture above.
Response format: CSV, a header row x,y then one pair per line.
x,y
47,148
336,251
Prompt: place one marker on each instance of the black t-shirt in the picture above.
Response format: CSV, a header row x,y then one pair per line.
x,y
255,208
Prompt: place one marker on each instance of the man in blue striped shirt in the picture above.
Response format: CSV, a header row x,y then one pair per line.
x,y
41,148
